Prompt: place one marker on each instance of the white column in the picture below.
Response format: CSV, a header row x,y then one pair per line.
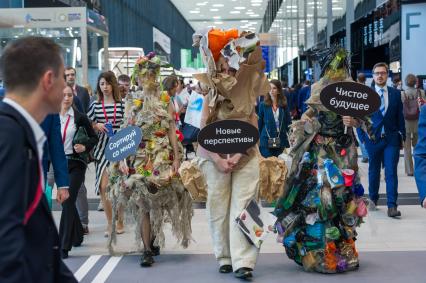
x,y
315,22
329,21
350,15
106,54
305,16
84,55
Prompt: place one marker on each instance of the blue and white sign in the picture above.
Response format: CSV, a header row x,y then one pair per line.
x,y
413,39
123,143
194,109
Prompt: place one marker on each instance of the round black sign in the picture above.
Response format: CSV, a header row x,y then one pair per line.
x,y
350,99
228,136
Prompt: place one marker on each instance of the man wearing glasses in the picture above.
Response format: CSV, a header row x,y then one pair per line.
x,y
387,140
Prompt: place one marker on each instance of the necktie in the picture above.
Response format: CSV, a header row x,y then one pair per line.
x,y
382,101
382,106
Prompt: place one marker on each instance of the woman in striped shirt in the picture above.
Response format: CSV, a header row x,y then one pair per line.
x,y
107,115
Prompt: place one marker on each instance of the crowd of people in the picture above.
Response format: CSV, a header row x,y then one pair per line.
x,y
62,127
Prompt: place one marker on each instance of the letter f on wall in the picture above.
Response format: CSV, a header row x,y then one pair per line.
x,y
408,25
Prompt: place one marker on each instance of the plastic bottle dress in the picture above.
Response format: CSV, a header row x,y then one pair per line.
x,y
323,201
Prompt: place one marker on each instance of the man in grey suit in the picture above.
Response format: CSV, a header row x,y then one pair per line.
x,y
83,95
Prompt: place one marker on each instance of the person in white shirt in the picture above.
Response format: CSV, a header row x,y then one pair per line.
x,y
78,138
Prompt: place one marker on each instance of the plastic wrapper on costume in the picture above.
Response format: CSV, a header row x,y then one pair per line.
x,y
322,202
151,186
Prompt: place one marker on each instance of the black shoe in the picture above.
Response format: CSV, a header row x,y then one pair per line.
x,y
86,230
64,254
155,249
244,273
393,212
226,268
146,259
364,160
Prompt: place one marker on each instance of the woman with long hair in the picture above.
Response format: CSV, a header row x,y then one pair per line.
x,y
78,138
107,116
273,121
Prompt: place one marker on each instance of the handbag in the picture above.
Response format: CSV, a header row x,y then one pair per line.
x,y
81,137
274,143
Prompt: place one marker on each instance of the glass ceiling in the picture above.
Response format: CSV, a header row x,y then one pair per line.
x,y
295,22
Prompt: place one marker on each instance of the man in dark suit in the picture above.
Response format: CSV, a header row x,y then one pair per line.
x,y
30,248
79,91
420,158
389,134
82,102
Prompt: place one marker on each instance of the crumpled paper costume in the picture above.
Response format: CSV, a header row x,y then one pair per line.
x,y
193,180
231,97
273,173
322,203
151,186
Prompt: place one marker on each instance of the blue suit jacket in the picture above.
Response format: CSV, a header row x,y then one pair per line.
x,y
266,121
79,105
304,94
420,156
54,150
393,121
31,252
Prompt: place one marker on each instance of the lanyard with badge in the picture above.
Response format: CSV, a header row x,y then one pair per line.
x,y
108,124
64,135
274,143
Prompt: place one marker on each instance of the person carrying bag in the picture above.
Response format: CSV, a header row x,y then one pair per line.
x,y
411,112
273,122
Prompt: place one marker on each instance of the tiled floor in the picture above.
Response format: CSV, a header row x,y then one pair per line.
x,y
379,241
378,233
383,242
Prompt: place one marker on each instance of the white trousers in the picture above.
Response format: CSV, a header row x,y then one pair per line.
x,y
228,195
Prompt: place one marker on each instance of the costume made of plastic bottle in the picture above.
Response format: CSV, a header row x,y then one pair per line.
x,y
323,201
151,185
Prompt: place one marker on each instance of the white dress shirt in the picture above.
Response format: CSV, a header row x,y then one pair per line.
x,y
385,94
276,117
68,146
38,132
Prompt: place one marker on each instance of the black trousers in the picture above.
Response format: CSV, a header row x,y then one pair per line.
x,y
70,228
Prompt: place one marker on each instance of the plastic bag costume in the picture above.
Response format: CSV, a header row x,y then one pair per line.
x,y
322,203
151,186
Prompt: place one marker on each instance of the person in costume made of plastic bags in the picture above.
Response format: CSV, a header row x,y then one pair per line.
x,y
323,201
232,180
147,183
